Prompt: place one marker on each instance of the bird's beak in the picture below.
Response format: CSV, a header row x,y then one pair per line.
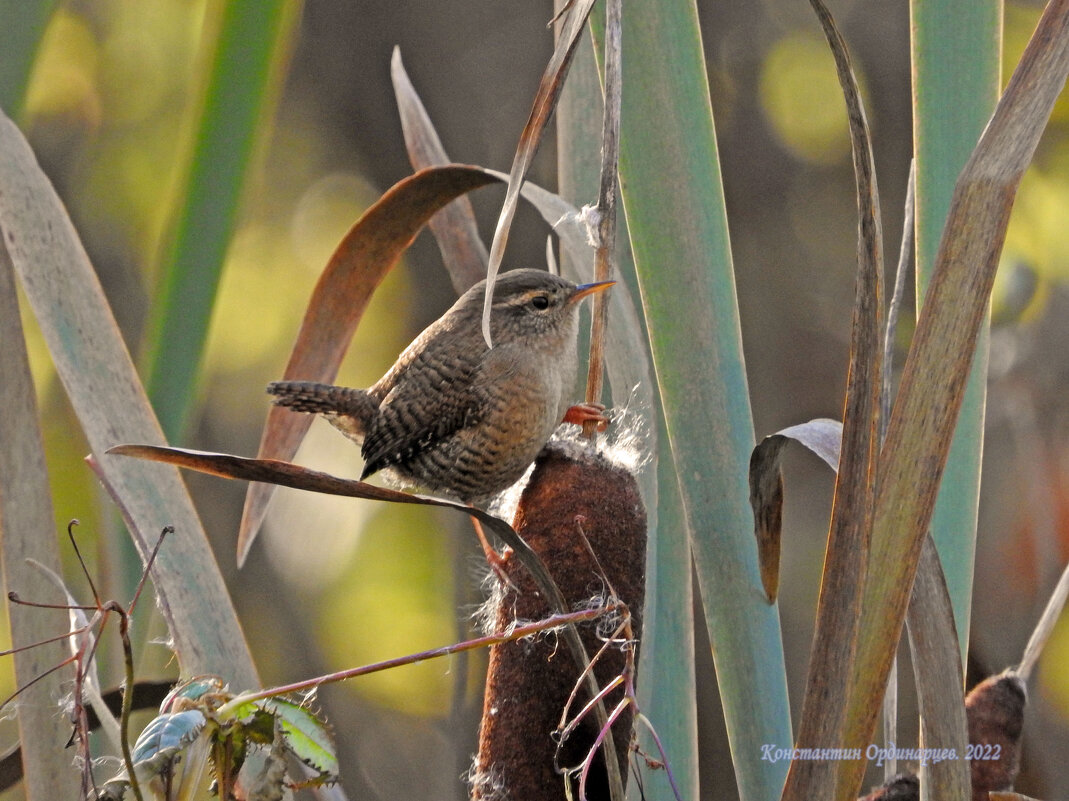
x,y
583,290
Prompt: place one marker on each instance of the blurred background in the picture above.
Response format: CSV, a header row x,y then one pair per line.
x,y
334,583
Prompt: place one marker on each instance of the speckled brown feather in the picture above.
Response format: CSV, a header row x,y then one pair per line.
x,y
452,415
347,408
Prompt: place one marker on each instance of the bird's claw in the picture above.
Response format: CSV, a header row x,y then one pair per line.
x,y
496,561
583,413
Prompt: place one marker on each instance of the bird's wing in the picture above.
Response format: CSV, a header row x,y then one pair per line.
x,y
435,396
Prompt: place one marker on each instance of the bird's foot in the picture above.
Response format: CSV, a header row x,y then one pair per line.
x,y
495,560
583,413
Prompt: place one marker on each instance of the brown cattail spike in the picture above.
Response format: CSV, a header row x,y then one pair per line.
x,y
995,708
903,787
529,682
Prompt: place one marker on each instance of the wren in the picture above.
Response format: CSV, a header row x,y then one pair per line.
x,y
453,416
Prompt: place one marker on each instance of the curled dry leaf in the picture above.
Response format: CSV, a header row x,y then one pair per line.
x,y
358,265
291,475
286,474
822,436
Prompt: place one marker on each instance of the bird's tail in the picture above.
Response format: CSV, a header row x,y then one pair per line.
x,y
316,398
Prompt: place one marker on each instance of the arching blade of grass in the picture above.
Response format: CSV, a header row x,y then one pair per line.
x,y
545,101
27,531
830,681
673,199
99,377
956,51
358,265
251,47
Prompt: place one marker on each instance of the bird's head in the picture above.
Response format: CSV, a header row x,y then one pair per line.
x,y
531,304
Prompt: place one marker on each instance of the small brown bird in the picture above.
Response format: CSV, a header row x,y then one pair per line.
x,y
454,416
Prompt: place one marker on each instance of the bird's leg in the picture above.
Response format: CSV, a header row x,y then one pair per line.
x,y
586,412
493,558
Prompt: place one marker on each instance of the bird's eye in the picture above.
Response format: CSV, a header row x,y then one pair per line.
x,y
540,302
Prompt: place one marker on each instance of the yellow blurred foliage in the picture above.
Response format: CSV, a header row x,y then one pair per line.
x,y
802,100
395,598
64,79
1053,678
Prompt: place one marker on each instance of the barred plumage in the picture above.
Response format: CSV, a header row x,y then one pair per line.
x,y
453,416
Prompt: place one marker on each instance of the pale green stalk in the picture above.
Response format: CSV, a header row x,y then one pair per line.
x,y
666,680
673,199
956,53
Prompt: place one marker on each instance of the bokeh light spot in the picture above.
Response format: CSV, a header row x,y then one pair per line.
x,y
802,100
64,80
1052,675
395,598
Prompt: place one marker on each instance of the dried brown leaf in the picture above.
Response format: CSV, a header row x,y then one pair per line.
x,y
286,474
463,251
846,559
933,643
822,436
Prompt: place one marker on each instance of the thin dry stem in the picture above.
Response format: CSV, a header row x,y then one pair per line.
x,y
1045,626
641,718
604,266
148,568
128,690
890,698
606,731
544,103
515,633
77,552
